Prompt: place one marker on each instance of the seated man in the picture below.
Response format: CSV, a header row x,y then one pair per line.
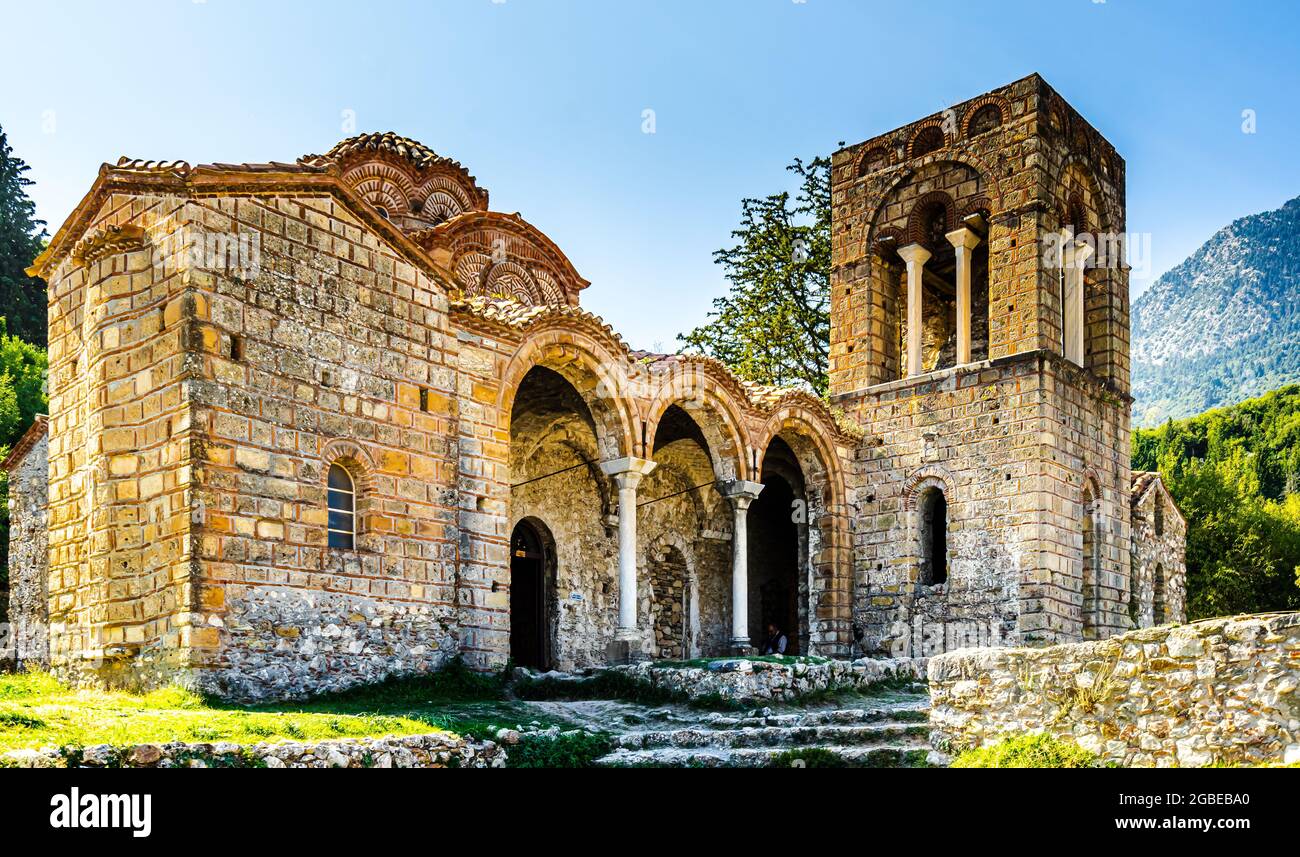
x,y
776,641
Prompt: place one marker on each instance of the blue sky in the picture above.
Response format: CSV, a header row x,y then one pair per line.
x,y
543,101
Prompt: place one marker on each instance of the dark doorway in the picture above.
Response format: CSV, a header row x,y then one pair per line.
x,y
774,563
528,627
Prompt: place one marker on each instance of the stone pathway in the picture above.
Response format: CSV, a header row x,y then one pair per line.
x,y
885,731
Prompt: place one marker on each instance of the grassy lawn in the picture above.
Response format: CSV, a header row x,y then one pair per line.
x,y
37,711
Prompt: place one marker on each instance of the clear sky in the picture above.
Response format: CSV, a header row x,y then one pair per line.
x,y
543,101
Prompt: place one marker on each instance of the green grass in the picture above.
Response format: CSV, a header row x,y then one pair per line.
x,y
1029,751
37,711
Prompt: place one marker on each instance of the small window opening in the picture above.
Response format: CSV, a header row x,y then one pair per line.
x,y
934,537
341,500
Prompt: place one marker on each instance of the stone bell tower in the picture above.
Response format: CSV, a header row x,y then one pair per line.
x,y
979,335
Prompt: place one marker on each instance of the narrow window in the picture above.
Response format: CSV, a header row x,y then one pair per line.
x,y
342,508
1158,595
1091,566
934,537
236,347
1159,517
424,399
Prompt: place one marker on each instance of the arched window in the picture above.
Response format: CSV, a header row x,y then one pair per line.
x,y
1091,565
927,140
1158,595
985,119
934,537
1159,517
342,499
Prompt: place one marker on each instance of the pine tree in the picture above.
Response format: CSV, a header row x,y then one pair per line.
x,y
773,326
22,237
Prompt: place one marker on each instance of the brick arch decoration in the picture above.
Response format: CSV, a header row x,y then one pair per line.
x,y
990,188
976,205
928,137
482,245
917,219
1076,173
811,436
985,105
384,195
370,177
888,240
713,409
871,160
411,165
569,347
932,476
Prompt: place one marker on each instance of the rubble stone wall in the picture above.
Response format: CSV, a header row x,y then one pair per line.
x,y
1220,690
29,560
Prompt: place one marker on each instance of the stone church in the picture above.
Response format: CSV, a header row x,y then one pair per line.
x,y
324,422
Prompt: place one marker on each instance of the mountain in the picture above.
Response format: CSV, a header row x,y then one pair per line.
x,y
1224,325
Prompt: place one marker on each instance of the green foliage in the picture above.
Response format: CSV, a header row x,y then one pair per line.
x,y
23,369
561,751
773,327
22,237
1235,474
1029,751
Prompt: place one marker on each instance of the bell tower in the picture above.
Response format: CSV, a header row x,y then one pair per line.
x,y
979,335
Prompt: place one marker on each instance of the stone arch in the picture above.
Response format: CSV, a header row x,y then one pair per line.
x,y
829,551
871,160
360,466
984,109
923,212
589,367
932,476
668,557
721,425
928,137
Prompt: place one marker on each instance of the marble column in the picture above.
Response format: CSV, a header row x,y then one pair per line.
x,y
740,493
915,256
1074,259
964,241
627,474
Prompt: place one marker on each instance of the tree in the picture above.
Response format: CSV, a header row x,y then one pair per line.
x,y
773,326
23,370
22,237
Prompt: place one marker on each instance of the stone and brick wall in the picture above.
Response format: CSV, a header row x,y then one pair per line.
x,y
1221,690
26,642
1159,555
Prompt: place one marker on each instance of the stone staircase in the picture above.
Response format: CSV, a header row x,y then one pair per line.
x,y
892,732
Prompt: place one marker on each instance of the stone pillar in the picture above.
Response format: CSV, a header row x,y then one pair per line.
x,y
627,474
741,494
915,256
1074,258
963,240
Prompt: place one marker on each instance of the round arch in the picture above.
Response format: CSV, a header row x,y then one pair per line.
x,y
723,428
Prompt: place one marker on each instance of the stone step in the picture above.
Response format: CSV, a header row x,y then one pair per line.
x,y
918,713
781,737
756,757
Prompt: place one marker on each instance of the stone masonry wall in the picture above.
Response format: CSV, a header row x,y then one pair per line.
x,y
1221,690
29,558
1158,561
334,350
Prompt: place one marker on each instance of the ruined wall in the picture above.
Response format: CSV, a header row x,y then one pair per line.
x,y
331,349
27,640
1158,559
1221,690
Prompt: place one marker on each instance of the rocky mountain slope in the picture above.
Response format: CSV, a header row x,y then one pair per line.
x,y
1224,325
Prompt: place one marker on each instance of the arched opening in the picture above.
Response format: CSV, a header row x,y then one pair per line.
x,y
1158,595
1159,517
778,548
933,510
1091,565
555,478
530,598
670,605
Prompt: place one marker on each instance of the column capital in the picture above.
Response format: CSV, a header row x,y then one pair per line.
x,y
740,492
914,253
963,237
628,470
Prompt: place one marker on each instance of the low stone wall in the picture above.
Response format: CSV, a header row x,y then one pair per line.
x,y
1220,690
436,750
748,681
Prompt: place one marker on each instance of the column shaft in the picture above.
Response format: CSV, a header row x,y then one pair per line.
x,y
915,256
964,241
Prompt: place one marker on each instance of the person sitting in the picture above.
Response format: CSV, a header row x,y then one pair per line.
x,y
776,641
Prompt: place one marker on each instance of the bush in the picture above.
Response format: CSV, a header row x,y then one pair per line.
x,y
560,751
1029,751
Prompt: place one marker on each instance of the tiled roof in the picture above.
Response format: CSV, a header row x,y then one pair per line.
x,y
25,443
385,141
